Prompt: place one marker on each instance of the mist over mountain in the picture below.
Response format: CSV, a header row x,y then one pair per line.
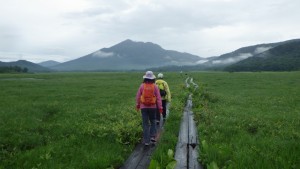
x,y
128,55
279,56
283,57
243,53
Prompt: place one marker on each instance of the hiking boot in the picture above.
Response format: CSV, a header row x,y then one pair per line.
x,y
146,146
153,140
157,122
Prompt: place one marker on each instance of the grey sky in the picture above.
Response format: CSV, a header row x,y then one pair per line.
x,y
62,30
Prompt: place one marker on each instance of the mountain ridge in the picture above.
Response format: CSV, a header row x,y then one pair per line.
x,y
283,57
131,55
32,67
48,63
128,55
244,53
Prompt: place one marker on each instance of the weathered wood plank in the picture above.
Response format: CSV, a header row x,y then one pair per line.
x,y
187,147
193,138
141,156
193,157
145,161
181,147
135,157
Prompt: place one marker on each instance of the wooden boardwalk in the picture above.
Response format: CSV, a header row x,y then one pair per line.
x,y
187,147
141,156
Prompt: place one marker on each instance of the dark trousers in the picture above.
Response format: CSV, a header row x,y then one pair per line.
x,y
164,104
149,127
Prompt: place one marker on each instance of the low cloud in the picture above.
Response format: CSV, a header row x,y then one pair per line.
x,y
201,61
101,54
80,26
168,57
261,49
240,57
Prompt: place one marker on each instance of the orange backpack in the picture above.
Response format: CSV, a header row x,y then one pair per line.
x,y
148,98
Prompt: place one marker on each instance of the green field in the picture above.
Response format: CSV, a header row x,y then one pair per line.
x,y
249,120
72,120
88,120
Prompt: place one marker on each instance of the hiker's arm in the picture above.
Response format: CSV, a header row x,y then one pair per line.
x,y
138,96
168,92
158,98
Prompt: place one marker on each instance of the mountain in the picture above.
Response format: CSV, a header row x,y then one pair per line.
x,y
32,67
277,56
128,55
240,54
48,63
284,57
131,55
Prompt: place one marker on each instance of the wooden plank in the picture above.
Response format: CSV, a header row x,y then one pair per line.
x,y
134,158
193,138
193,157
187,146
181,155
181,147
141,156
145,161
193,144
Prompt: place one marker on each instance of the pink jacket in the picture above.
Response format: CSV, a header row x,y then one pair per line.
x,y
157,94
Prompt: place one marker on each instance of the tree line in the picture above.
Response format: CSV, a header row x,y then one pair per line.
x,y
13,69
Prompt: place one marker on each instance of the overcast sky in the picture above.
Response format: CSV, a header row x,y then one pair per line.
x,y
62,30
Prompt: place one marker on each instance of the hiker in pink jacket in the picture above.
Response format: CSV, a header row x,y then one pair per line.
x,y
148,100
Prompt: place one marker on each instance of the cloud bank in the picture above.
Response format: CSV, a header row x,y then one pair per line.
x,y
201,27
101,54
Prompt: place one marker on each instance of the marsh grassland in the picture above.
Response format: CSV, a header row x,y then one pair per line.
x,y
249,120
88,120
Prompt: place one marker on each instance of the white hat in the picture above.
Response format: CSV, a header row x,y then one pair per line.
x,y
160,75
149,75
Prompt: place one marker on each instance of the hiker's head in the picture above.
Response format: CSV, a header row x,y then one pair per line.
x,y
160,75
149,77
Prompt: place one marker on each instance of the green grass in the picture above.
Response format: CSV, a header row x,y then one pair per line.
x,y
68,120
249,120
88,120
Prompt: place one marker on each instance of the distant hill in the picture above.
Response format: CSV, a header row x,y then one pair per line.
x,y
243,53
283,57
32,67
128,55
249,59
49,63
